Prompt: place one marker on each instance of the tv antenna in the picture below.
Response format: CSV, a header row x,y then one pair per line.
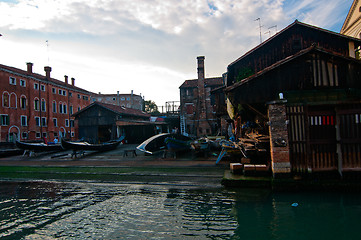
x,y
260,29
268,32
275,26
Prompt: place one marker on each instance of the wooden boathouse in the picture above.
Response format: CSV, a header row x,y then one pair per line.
x,y
101,122
307,82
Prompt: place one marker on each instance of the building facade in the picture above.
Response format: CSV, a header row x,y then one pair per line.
x,y
352,25
35,106
197,104
131,100
303,85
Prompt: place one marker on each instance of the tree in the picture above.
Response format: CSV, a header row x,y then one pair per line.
x,y
150,107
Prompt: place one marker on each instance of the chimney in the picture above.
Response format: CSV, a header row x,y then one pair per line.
x,y
30,67
66,79
200,68
47,70
73,81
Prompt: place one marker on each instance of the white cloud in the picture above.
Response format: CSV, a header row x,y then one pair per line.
x,y
152,42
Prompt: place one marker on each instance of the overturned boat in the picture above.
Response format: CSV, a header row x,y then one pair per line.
x,y
158,143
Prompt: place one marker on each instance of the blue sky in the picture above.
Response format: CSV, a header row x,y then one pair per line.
x,y
148,46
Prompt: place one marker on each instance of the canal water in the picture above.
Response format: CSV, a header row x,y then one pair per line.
x,y
86,210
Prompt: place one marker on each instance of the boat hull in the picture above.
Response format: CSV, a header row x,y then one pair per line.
x,y
177,144
84,146
157,143
38,147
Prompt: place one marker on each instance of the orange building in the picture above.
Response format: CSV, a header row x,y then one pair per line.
x,y
35,106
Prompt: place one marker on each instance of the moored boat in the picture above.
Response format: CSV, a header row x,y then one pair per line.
x,y
38,147
177,144
85,146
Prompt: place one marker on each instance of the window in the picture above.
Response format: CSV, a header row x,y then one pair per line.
x,y
53,90
62,92
45,135
36,86
71,109
4,120
42,87
72,134
36,104
114,99
12,81
70,94
55,121
72,123
55,134
37,121
79,96
5,99
128,98
54,107
24,121
189,108
23,102
13,101
43,105
66,122
85,98
43,121
22,83
123,98
64,108
24,135
37,135
60,108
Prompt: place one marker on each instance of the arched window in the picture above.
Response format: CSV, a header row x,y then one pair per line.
x,y
54,107
43,105
23,102
60,107
13,101
36,104
65,108
5,99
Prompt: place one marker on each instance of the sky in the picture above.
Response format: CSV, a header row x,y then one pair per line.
x,y
148,46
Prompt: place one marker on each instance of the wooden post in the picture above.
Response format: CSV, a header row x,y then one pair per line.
x,y
338,143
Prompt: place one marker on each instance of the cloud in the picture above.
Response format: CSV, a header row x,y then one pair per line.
x,y
152,42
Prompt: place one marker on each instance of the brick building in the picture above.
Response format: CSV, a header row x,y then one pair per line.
x,y
197,104
34,106
131,100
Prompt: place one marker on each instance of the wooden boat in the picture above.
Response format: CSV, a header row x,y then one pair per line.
x,y
230,148
202,144
85,146
157,143
38,147
176,144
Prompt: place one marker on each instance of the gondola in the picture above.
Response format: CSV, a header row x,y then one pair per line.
x,y
85,146
38,147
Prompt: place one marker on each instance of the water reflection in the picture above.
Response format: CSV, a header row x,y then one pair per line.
x,y
54,210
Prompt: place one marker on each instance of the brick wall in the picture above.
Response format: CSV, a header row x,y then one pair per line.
x,y
279,139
